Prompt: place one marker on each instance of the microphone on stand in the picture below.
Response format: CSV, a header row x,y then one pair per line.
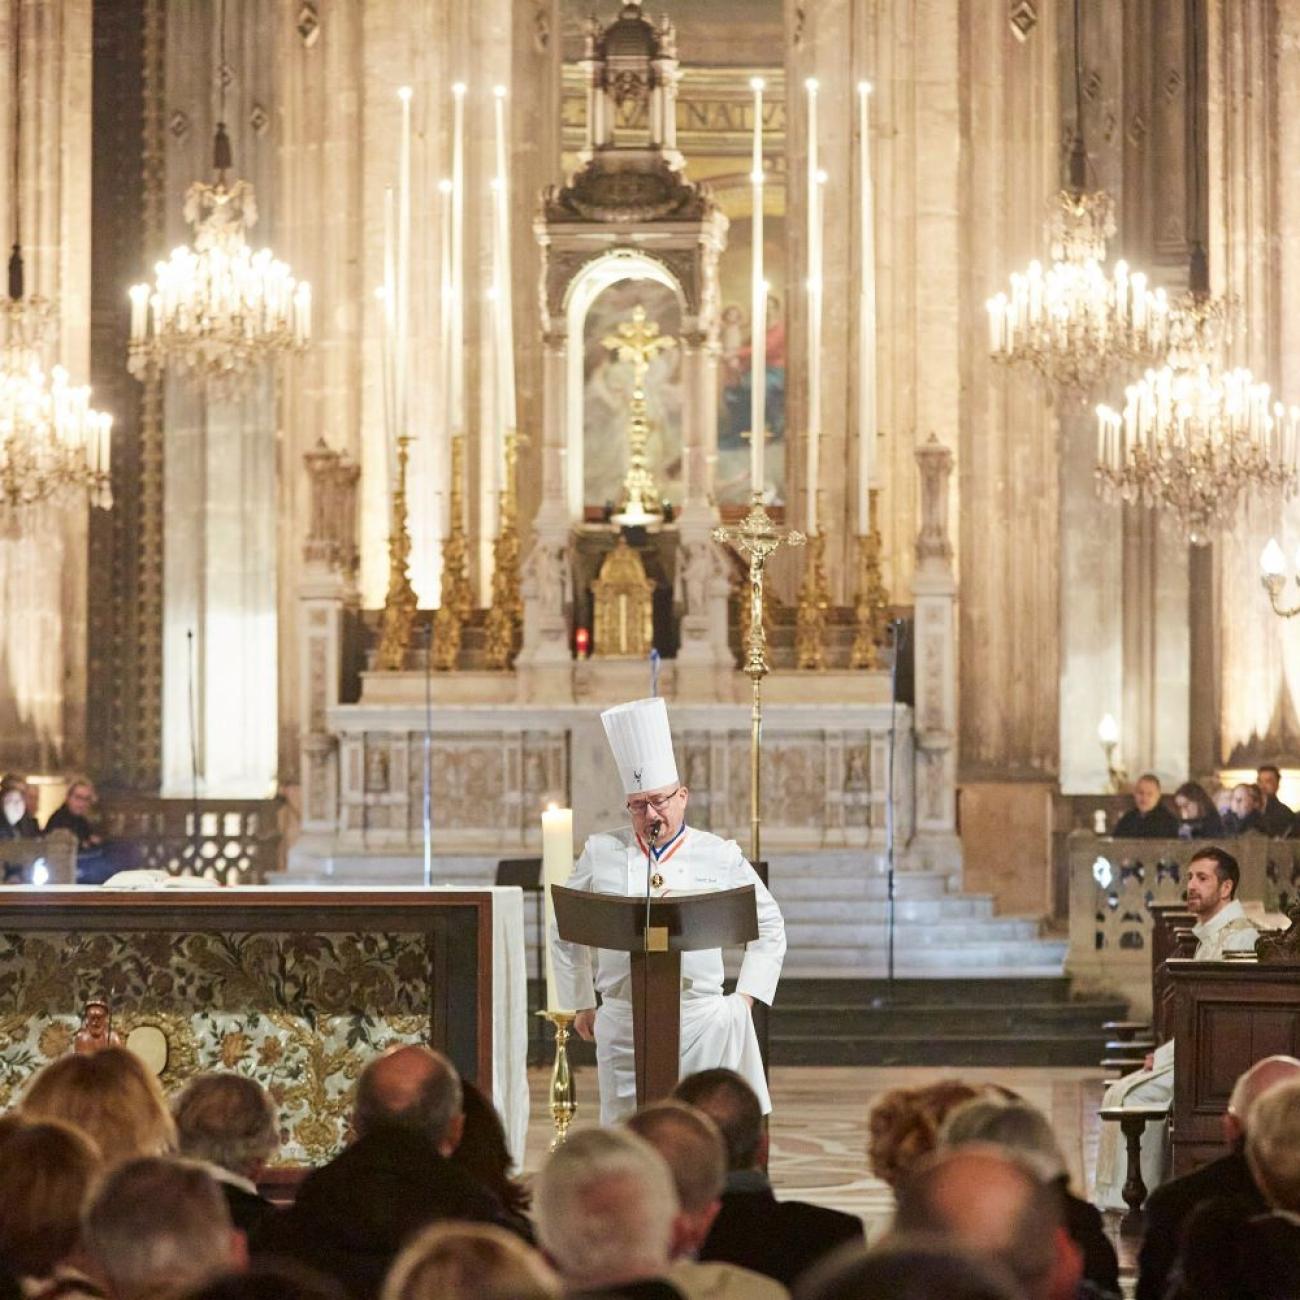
x,y
653,831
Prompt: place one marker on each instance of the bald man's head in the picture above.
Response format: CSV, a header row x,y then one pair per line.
x,y
985,1200
415,1088
1262,1077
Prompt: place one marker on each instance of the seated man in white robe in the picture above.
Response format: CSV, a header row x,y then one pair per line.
x,y
1222,926
715,1030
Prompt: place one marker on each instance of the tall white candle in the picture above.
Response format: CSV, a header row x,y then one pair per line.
x,y
505,298
458,258
758,308
557,867
814,227
401,406
388,302
444,347
867,317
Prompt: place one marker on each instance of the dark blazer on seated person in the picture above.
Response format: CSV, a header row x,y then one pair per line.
x,y
780,1239
352,1216
1171,1204
1158,824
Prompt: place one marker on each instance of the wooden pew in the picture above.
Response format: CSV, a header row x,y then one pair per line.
x,y
1226,1016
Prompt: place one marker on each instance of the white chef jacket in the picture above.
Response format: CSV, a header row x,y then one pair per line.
x,y
716,1031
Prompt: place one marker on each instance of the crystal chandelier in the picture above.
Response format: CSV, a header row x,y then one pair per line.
x,y
218,309
1194,442
52,444
1076,322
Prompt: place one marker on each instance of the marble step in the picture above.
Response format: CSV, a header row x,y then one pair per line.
x,y
812,935
923,994
1059,1050
953,1020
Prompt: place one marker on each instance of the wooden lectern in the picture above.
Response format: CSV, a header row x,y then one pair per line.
x,y
687,923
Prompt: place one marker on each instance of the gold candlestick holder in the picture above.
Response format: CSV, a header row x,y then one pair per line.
x,y
814,601
564,1099
457,602
871,604
755,538
400,603
505,617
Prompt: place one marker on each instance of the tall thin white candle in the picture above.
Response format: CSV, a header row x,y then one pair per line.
x,y
505,302
402,306
867,317
458,258
444,344
758,308
388,301
814,229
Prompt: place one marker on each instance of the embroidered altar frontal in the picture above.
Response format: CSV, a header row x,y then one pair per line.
x,y
296,989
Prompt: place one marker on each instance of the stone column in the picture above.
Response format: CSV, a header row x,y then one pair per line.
x,y
43,555
220,476
934,591
1253,59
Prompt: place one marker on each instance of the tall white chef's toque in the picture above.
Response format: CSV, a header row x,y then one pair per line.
x,y
642,745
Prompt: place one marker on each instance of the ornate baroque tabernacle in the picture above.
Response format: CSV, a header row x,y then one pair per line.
x,y
624,605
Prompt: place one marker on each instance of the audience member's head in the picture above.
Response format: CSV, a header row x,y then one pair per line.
x,y
227,1120
469,1261
48,1172
1192,802
111,1096
907,1267
692,1147
734,1107
903,1126
1015,1126
80,798
1268,779
1245,799
278,1279
159,1228
483,1154
414,1088
991,1203
1262,1077
1146,792
13,800
1211,881
1273,1145
606,1210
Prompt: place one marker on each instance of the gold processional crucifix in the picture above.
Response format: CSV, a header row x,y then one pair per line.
x,y
638,341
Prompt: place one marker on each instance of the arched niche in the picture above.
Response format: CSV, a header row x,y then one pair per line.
x,y
591,281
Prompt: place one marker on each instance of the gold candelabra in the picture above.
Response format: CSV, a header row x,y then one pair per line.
x,y
871,604
457,601
400,603
814,602
505,617
755,539
564,1103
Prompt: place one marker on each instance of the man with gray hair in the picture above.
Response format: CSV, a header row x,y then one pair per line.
x,y
984,1199
1228,1179
692,1147
352,1216
606,1215
229,1123
159,1228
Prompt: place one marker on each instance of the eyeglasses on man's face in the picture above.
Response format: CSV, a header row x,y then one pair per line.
x,y
655,803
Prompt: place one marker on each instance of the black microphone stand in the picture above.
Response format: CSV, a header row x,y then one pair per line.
x,y
653,831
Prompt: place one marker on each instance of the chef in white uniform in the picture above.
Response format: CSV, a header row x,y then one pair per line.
x,y
716,1030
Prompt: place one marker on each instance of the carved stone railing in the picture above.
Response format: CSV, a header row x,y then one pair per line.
x,y
1113,884
234,841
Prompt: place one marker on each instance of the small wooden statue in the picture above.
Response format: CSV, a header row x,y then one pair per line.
x,y
96,1032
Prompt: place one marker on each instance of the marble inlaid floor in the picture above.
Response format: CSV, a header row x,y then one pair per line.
x,y
819,1125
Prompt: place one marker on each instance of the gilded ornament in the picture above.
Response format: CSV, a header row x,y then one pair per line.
x,y
623,599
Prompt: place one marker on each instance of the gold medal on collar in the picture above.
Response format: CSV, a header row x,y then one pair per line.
x,y
657,881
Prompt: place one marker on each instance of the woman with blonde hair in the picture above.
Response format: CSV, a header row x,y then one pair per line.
x,y
111,1097
48,1173
903,1126
469,1261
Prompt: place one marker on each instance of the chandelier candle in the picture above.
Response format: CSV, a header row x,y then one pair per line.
x,y
866,317
758,310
